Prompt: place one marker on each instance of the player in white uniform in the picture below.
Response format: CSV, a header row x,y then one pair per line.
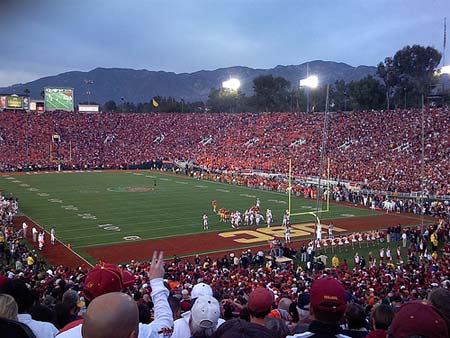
x,y
24,228
287,234
52,236
319,232
330,230
35,234
269,217
286,219
41,240
259,218
252,218
205,222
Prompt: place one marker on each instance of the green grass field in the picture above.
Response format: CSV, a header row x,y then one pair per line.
x,y
97,208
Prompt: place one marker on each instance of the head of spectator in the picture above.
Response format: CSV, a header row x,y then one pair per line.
x,y
440,299
204,318
327,300
201,289
327,307
8,307
105,278
284,303
144,313
418,319
238,328
303,307
278,327
382,316
175,305
72,299
113,314
260,304
21,294
67,310
356,320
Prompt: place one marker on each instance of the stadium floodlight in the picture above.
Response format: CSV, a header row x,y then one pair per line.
x,y
310,82
445,70
232,84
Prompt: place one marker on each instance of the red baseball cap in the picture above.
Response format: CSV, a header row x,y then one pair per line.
x,y
418,318
328,294
103,278
260,300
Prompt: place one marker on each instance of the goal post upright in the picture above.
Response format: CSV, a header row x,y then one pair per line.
x,y
313,213
290,186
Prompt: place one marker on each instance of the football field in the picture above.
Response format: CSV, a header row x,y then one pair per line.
x,y
89,209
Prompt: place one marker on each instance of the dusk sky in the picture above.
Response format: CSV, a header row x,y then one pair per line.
x,y
48,37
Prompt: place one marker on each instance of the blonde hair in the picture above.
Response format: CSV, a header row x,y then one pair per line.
x,y
8,307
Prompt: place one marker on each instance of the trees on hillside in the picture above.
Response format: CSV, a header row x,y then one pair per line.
x,y
411,71
271,93
400,81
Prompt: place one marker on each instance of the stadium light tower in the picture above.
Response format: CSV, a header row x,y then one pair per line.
x,y
232,85
88,91
445,70
311,82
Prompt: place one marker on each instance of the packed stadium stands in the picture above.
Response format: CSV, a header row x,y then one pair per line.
x,y
377,149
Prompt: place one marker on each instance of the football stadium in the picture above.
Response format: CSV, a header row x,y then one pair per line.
x,y
307,199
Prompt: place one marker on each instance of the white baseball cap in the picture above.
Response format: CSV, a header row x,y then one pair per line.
x,y
201,289
205,313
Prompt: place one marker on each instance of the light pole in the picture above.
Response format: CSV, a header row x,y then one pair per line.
x,y
311,82
232,85
322,159
88,91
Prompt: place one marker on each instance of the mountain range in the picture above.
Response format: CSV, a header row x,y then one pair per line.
x,y
120,84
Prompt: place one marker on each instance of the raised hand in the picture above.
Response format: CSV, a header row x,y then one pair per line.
x,y
157,265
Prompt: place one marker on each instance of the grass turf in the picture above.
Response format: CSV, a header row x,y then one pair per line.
x,y
98,208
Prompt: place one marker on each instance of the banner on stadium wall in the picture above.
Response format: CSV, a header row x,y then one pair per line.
x,y
88,108
14,102
58,99
26,102
2,102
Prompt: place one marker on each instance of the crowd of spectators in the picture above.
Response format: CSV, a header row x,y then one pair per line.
x,y
239,294
380,150
52,300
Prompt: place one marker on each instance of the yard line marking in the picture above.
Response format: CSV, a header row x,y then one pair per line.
x,y
222,190
277,201
150,176
165,179
181,183
69,207
201,186
247,195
